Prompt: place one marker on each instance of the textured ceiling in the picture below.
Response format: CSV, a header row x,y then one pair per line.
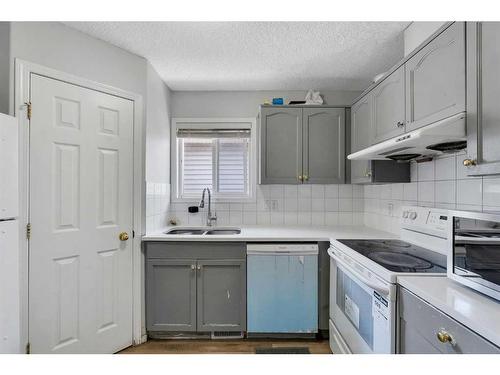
x,y
259,55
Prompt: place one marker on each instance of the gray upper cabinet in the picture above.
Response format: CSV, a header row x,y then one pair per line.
x,y
483,91
221,295
361,137
281,145
171,295
435,79
302,145
323,145
389,106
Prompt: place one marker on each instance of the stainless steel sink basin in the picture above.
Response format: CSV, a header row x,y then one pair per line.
x,y
224,231
203,231
186,231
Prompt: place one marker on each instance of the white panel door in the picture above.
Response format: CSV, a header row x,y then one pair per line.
x,y
80,283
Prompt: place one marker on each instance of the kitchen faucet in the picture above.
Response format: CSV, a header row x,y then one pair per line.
x,y
211,219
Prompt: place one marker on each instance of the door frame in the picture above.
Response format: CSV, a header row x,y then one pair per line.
x,y
22,82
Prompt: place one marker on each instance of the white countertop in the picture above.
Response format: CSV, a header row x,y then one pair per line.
x,y
265,233
474,310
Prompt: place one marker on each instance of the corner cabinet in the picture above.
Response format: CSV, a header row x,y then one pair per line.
x,y
483,91
302,145
195,287
435,79
361,137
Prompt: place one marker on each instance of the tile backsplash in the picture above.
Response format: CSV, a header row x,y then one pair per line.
x,y
441,183
157,203
284,205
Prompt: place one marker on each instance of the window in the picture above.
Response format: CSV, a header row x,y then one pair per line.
x,y
217,155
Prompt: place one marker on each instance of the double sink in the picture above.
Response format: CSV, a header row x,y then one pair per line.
x,y
182,231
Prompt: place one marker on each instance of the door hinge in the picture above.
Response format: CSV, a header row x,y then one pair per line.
x,y
28,110
28,348
28,231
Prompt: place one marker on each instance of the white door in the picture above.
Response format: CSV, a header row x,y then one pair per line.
x,y
80,277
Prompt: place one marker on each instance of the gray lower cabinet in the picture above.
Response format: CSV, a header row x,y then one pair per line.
x,y
171,295
423,329
483,91
221,295
302,145
435,79
195,287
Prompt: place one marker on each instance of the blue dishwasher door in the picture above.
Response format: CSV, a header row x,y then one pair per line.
x,y
282,293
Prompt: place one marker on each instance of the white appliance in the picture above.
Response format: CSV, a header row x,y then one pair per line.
x,y
282,289
363,276
9,236
446,135
474,259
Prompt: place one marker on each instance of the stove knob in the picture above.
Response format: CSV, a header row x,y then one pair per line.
x,y
405,214
413,215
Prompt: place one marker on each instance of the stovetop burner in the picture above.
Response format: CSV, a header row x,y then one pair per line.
x,y
400,260
399,256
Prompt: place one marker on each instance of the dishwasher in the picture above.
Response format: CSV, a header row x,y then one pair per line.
x,y
282,288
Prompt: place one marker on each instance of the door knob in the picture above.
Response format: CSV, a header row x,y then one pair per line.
x,y
123,236
469,162
306,178
300,178
199,267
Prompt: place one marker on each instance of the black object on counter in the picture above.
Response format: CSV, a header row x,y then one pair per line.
x,y
193,209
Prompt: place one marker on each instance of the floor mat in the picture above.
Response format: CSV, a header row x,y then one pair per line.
x,y
282,350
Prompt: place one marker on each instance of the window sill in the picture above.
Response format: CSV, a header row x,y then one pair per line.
x,y
215,200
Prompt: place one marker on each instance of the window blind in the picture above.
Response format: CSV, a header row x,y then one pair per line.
x,y
222,164
233,165
197,165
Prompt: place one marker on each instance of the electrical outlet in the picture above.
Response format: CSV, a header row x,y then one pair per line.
x,y
272,204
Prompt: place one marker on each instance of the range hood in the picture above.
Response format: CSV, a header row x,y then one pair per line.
x,y
447,135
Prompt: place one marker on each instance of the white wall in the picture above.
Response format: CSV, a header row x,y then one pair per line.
x,y
417,32
57,46
4,66
242,103
157,150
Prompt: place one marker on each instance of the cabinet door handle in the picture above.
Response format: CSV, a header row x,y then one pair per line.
x,y
199,267
469,162
193,267
300,178
306,178
445,337
400,124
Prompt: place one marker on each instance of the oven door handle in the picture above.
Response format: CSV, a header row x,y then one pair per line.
x,y
382,289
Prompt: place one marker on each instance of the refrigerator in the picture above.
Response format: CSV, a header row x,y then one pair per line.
x,y
9,236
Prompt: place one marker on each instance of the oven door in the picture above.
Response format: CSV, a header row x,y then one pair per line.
x,y
362,309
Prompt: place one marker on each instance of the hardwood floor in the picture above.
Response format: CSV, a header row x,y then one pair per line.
x,y
243,346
